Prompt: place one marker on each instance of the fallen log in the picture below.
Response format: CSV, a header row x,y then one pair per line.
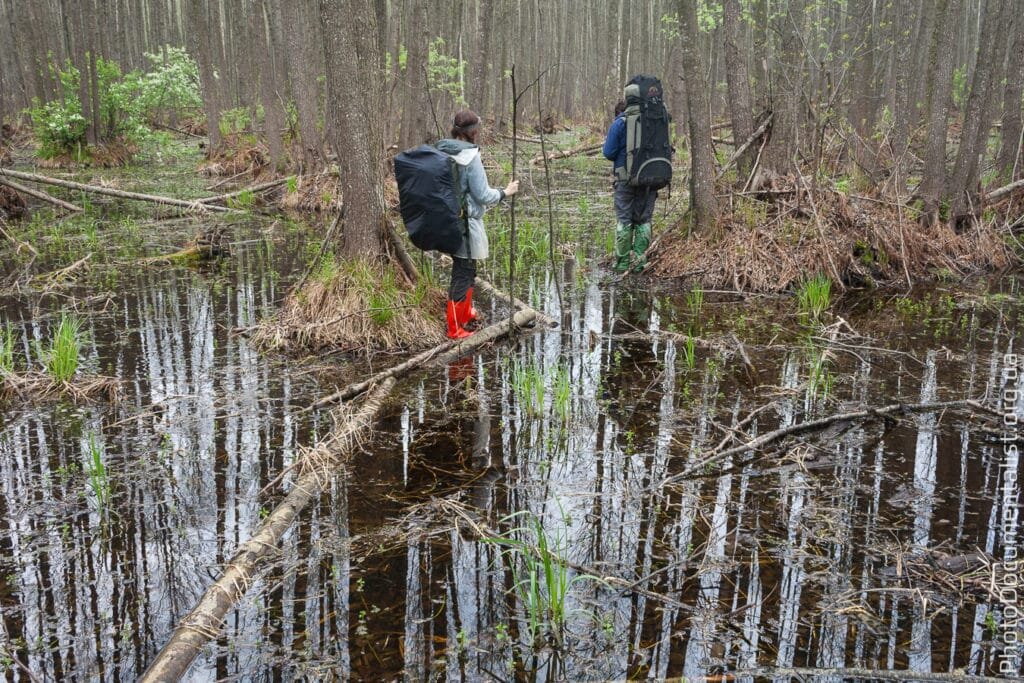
x,y
495,293
40,195
110,192
206,619
586,150
1006,190
817,425
254,189
443,353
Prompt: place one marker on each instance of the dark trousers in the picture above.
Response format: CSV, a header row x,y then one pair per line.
x,y
463,276
634,205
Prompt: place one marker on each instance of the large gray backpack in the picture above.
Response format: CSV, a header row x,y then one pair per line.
x,y
648,144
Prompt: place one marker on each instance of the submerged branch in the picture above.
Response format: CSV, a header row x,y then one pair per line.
x,y
818,425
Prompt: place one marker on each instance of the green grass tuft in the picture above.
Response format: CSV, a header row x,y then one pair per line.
x,y
62,357
814,296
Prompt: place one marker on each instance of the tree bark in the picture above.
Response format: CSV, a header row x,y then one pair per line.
x,y
299,37
787,89
902,87
940,71
702,169
974,134
416,115
349,45
272,112
738,83
201,47
1010,161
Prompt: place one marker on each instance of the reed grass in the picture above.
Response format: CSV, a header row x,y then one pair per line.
x,y
62,356
813,295
97,473
6,349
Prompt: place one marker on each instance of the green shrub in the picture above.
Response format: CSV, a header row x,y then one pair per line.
x,y
128,103
171,84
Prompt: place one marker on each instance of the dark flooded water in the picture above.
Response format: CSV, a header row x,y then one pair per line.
x,y
828,551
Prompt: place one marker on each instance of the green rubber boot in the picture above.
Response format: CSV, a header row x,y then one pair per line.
x,y
641,240
623,244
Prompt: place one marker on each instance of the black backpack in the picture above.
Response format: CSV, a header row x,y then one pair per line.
x,y
430,199
648,146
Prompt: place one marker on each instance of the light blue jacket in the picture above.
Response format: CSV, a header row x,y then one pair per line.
x,y
478,193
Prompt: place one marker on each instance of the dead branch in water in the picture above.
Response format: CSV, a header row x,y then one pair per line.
x,y
206,619
443,353
254,189
817,425
40,195
110,192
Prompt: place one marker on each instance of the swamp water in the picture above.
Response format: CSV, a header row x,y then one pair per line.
x,y
420,562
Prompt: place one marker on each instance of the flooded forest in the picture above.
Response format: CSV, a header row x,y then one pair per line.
x,y
750,418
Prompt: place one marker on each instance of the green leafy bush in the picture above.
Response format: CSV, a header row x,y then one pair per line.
x,y
170,85
128,103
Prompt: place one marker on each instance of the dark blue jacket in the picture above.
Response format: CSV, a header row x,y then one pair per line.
x,y
615,143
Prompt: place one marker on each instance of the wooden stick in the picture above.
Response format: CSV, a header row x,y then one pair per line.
x,y
110,192
262,187
206,619
818,424
39,194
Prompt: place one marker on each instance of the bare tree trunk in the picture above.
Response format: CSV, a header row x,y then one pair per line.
x,y
272,111
416,107
300,37
477,96
1010,161
787,87
963,185
702,171
349,45
739,84
902,86
862,108
940,72
201,47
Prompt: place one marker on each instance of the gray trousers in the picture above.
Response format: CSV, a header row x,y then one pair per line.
x,y
634,205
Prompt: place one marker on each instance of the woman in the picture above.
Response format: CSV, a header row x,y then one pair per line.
x,y
479,195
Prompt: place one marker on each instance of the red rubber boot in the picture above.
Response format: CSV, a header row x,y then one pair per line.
x,y
455,330
467,313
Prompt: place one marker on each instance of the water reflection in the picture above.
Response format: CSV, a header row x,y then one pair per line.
x,y
785,560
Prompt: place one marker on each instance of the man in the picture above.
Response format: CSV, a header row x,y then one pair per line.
x,y
634,205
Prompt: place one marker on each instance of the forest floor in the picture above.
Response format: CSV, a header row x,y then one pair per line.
x,y
578,503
